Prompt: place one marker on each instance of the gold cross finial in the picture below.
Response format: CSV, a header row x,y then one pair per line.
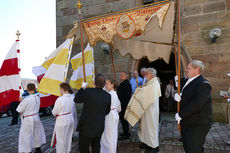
x,y
79,5
18,34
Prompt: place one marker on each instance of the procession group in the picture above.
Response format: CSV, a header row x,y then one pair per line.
x,y
132,102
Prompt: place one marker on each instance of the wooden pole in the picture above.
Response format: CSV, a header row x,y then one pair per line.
x,y
175,55
79,6
114,70
68,60
179,59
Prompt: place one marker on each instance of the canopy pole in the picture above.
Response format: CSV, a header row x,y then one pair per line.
x,y
113,65
175,55
79,6
179,58
68,60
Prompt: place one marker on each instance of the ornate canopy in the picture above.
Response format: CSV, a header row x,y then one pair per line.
x,y
145,31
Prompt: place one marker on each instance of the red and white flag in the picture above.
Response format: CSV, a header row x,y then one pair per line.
x,y
9,77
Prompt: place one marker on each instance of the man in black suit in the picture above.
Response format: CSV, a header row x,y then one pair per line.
x,y
92,121
195,115
124,92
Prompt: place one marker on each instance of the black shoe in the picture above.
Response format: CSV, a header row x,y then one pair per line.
x,y
13,124
143,146
38,150
152,150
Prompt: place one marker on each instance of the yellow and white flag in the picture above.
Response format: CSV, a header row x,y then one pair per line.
x,y
77,77
56,68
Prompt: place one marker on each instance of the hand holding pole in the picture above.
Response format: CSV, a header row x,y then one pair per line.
x,y
179,59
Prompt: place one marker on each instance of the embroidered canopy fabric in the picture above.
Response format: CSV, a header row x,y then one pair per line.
x,y
154,43
145,31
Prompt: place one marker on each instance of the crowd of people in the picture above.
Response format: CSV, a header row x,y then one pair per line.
x,y
134,101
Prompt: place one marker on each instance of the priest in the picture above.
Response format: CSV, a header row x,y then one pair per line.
x,y
144,106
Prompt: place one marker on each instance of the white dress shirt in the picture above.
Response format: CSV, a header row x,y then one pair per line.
x,y
169,91
189,80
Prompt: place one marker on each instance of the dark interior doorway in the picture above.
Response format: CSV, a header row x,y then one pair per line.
x,y
165,72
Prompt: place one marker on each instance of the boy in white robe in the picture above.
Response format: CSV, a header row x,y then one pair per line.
x,y
110,134
32,134
66,120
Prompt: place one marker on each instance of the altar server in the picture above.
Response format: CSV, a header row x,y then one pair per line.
x,y
110,134
65,112
32,134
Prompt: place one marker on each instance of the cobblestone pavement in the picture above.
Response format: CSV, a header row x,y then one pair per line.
x,y
169,138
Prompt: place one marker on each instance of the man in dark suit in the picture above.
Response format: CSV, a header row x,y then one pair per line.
x,y
92,121
124,92
195,115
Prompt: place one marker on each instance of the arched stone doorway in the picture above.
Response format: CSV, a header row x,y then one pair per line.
x,y
165,71
185,58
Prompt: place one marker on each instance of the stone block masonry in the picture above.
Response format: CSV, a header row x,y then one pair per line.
x,y
198,17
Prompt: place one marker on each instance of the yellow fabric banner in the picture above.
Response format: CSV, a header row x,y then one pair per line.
x,y
55,73
77,77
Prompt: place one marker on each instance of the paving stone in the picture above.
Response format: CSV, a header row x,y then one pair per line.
x,y
169,138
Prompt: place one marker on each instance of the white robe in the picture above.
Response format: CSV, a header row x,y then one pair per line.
x,y
110,134
149,125
65,123
32,134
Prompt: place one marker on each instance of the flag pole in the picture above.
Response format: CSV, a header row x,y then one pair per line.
x,y
19,64
19,67
179,58
79,6
69,55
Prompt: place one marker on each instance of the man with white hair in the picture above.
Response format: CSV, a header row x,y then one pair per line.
x,y
144,106
143,73
195,115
